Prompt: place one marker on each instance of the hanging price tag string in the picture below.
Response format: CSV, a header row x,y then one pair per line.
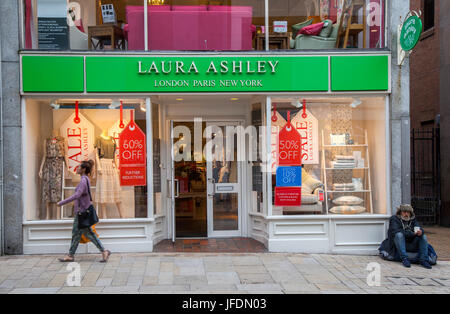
x,y
304,115
132,125
288,124
121,125
274,116
77,118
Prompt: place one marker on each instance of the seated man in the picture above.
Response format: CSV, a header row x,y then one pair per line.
x,y
405,235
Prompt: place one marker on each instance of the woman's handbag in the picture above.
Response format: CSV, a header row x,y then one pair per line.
x,y
89,216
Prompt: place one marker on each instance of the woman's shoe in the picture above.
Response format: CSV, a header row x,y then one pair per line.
x,y
66,259
104,260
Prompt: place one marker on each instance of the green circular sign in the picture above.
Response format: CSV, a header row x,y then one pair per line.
x,y
410,35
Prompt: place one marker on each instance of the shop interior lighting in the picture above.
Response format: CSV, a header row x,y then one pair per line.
x,y
114,104
54,104
142,107
179,99
234,98
356,102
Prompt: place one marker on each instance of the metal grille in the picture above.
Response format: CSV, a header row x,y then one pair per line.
x,y
425,175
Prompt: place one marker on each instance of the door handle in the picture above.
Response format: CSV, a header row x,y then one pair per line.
x,y
177,184
211,180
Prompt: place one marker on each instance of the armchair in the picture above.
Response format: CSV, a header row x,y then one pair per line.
x,y
311,188
325,40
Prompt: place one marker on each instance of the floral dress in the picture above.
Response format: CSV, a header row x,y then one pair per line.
x,y
52,173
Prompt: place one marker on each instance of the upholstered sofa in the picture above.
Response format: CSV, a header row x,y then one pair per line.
x,y
174,27
325,40
311,188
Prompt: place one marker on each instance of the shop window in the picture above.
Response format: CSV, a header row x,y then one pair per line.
x,y
112,135
343,156
205,25
428,14
67,25
323,24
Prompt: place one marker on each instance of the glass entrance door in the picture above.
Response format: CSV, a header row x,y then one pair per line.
x,y
223,180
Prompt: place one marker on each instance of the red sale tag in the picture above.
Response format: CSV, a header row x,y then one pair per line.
x,y
289,145
132,158
288,196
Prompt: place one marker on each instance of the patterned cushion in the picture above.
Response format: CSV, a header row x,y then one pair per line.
x,y
348,210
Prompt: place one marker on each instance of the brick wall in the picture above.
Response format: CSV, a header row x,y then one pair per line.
x,y
425,72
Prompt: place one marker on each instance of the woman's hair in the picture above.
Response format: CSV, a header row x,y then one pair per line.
x,y
87,165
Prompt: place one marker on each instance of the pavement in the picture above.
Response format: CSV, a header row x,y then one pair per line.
x,y
439,237
225,273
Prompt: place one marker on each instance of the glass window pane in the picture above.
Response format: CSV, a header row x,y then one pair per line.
x,y
56,145
67,25
326,24
343,149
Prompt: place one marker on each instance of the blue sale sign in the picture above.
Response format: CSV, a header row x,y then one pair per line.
x,y
289,176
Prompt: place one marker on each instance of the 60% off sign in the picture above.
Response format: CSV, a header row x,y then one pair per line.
x,y
132,156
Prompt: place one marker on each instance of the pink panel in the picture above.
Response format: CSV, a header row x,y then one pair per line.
x,y
158,8
189,8
221,8
160,31
136,30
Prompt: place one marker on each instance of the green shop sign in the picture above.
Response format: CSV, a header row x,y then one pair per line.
x,y
210,73
410,34
206,74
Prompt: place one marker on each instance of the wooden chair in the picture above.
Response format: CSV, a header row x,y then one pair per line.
x,y
348,27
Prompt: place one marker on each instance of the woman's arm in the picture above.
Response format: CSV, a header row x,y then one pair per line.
x,y
79,190
43,161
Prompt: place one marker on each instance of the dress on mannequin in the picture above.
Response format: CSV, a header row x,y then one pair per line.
x,y
51,172
108,185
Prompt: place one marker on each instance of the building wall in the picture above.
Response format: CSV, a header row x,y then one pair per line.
x,y
425,69
12,120
11,127
444,35
399,112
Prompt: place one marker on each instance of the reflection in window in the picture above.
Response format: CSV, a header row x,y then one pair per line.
x,y
326,24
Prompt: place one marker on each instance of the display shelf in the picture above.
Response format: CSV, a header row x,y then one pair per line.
x,y
359,191
356,168
352,145
367,191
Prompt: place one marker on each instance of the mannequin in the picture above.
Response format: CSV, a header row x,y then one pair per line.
x,y
51,172
108,187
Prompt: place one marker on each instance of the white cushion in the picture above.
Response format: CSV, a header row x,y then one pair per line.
x,y
348,200
348,210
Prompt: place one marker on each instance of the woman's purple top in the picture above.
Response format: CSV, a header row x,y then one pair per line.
x,y
81,196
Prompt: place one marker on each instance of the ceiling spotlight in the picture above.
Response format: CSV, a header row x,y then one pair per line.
x,y
114,104
296,103
356,102
142,107
179,99
234,98
54,104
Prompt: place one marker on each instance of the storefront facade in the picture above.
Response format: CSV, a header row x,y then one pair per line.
x,y
187,144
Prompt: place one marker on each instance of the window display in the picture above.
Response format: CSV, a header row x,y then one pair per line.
x,y
349,174
74,131
233,25
328,24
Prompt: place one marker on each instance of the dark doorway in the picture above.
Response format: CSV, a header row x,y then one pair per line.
x,y
425,175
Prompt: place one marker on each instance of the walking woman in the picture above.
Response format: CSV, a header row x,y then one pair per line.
x,y
83,200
